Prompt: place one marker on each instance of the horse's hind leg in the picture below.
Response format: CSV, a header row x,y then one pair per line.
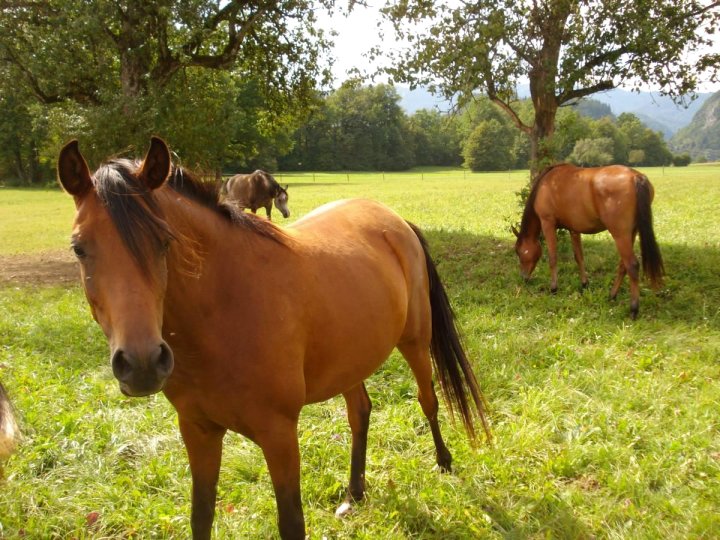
x,y
579,259
358,412
618,280
418,357
631,266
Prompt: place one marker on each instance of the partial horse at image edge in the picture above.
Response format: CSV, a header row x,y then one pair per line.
x,y
587,201
341,288
8,426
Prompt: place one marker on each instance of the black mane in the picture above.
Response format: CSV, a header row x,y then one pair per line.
x,y
140,220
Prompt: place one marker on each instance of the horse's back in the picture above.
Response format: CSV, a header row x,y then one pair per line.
x,y
588,199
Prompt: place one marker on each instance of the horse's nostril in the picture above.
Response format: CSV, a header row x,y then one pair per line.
x,y
121,366
164,361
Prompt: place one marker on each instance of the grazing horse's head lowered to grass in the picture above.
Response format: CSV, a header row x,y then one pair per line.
x,y
241,323
587,201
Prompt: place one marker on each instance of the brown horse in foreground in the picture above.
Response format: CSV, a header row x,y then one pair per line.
x,y
587,201
317,309
257,190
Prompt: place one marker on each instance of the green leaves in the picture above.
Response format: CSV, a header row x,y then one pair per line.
x,y
567,49
130,69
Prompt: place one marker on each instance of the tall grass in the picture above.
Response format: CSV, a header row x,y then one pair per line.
x,y
604,427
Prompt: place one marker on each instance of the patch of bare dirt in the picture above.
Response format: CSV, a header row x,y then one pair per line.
x,y
48,268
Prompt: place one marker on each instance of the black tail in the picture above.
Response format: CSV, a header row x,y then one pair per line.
x,y
652,262
453,370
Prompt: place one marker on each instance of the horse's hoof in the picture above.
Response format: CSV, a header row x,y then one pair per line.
x,y
343,510
585,285
553,290
634,314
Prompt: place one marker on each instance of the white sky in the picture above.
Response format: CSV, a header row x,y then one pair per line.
x,y
358,33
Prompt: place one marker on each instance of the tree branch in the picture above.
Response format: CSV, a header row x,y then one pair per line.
x,y
582,92
235,38
511,113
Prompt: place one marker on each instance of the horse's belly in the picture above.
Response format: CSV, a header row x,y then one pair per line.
x,y
354,331
351,350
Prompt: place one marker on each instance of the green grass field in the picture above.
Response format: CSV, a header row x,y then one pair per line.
x,y
604,427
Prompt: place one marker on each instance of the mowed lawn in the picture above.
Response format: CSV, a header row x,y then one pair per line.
x,y
603,427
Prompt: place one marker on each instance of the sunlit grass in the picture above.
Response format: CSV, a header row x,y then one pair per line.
x,y
604,427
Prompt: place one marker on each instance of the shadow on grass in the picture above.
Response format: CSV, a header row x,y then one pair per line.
x,y
549,517
484,269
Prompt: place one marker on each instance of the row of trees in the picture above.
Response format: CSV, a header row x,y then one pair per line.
x,y
353,128
224,81
228,81
361,128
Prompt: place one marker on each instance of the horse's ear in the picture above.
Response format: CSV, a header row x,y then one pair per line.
x,y
156,165
73,172
514,230
287,186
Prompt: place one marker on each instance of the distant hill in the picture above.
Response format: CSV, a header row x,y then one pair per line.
x,y
701,138
655,111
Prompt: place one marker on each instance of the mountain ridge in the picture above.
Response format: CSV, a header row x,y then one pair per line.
x,y
701,137
658,112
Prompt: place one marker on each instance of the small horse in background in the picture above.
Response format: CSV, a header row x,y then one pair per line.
x,y
8,427
257,190
588,201
242,343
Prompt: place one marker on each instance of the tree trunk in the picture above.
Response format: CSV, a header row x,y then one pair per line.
x,y
541,147
19,166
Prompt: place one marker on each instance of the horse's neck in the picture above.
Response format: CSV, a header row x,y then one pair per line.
x,y
530,225
213,259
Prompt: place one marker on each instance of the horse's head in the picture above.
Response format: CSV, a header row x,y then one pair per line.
x,y
120,240
281,201
528,250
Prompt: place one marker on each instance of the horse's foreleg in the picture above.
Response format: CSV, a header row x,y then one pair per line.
x,y
358,412
418,357
548,229
203,443
579,259
282,455
268,210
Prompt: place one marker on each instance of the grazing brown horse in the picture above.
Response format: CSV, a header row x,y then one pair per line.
x,y
317,309
257,190
587,201
8,426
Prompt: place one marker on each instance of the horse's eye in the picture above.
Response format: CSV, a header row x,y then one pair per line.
x,y
79,251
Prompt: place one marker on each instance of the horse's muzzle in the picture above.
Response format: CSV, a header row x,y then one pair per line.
x,y
142,374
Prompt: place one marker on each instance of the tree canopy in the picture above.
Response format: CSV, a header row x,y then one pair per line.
x,y
567,49
117,70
